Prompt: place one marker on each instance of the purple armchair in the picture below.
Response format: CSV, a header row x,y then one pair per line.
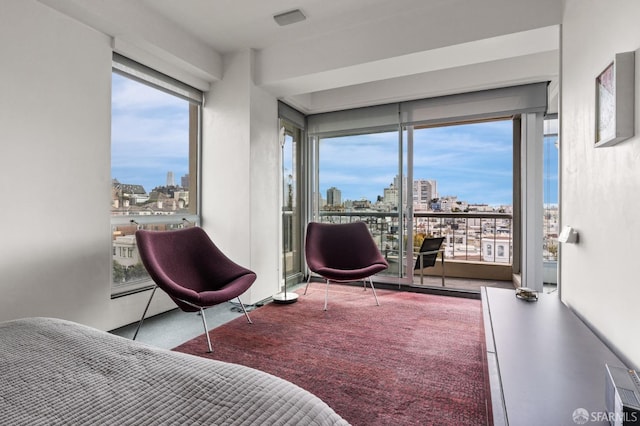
x,y
342,253
189,267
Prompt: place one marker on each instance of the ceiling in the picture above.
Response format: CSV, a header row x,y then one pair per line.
x,y
346,53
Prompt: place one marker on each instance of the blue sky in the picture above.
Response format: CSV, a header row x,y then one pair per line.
x,y
472,161
550,170
149,134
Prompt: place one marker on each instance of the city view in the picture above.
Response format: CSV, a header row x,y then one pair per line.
x,y
472,231
476,232
462,189
130,199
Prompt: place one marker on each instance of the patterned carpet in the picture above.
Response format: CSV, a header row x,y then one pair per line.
x,y
417,359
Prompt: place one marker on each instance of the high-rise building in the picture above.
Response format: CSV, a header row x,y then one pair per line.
x,y
334,196
424,191
184,181
400,184
391,195
170,180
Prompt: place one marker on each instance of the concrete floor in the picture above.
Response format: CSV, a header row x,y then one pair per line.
x,y
172,328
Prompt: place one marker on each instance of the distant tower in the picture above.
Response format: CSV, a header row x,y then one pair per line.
x,y
334,196
170,181
185,181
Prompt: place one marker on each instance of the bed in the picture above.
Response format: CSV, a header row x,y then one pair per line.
x,y
56,372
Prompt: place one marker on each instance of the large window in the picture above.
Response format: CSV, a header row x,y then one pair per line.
x,y
155,131
456,179
449,166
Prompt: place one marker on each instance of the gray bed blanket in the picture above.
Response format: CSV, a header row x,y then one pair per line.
x,y
56,372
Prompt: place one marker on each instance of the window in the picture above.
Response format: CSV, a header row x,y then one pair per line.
x,y
291,231
429,167
550,191
358,180
155,129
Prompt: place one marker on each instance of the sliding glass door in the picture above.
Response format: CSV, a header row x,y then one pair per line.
x,y
359,179
453,181
462,190
464,167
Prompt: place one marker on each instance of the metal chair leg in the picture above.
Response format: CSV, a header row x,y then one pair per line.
x,y
206,329
326,296
308,281
144,313
374,291
442,253
244,310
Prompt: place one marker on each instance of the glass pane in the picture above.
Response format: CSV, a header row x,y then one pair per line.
x,y
463,189
359,181
153,171
128,273
150,146
550,195
290,207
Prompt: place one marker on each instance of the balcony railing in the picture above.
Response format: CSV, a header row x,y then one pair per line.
x,y
478,237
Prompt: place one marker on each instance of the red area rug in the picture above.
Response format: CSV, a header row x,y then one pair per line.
x,y
417,359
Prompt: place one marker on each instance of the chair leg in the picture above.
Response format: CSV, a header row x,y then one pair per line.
x,y
245,311
144,313
374,291
206,329
326,296
308,281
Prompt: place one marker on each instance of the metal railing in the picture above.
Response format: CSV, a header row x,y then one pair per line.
x,y
476,236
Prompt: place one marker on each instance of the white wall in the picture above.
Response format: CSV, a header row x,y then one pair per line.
x,y
55,111
599,187
240,173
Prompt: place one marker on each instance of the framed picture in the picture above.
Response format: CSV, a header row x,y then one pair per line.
x,y
614,101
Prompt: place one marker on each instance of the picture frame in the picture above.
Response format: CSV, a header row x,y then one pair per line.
x,y
614,105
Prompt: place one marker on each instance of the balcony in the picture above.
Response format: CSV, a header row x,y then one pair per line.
x,y
478,247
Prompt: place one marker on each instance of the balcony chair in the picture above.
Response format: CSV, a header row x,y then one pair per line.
x,y
427,255
342,253
188,266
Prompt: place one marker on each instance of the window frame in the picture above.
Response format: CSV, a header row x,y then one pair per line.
x,y
145,75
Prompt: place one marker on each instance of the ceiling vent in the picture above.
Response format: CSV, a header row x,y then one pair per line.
x,y
290,17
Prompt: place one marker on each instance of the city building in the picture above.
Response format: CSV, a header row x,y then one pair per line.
x,y
334,196
434,57
170,180
424,190
125,194
391,196
125,251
